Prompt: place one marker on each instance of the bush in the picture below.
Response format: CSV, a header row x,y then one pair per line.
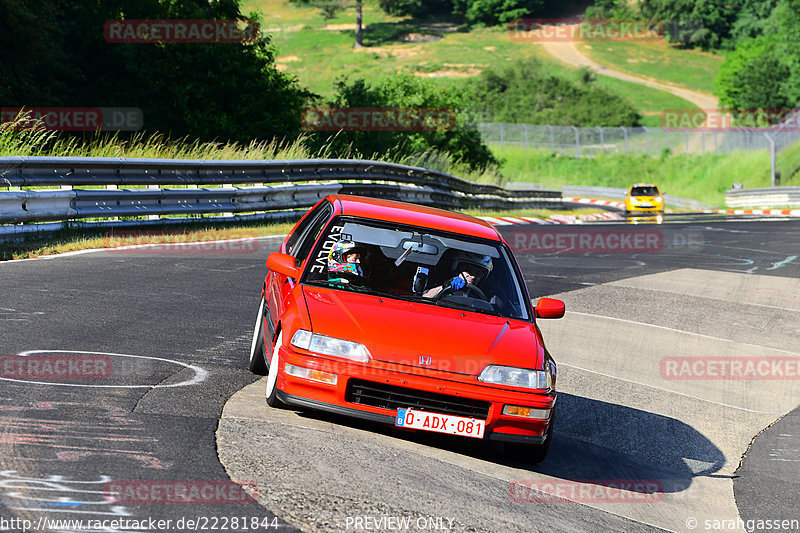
x,y
54,55
523,93
404,91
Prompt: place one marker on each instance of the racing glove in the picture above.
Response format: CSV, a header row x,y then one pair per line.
x,y
456,283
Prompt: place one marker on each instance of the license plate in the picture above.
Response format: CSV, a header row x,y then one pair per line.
x,y
439,423
645,204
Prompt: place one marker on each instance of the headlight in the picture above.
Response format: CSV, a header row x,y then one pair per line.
x,y
313,342
659,199
516,377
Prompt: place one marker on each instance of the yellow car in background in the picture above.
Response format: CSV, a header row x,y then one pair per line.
x,y
644,198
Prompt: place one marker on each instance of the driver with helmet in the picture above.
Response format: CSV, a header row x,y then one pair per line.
x,y
344,263
469,269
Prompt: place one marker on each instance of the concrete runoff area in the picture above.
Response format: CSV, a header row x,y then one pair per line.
x,y
621,416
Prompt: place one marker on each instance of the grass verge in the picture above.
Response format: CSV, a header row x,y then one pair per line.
x,y
658,60
701,177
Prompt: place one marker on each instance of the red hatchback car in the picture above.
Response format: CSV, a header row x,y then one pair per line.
x,y
409,316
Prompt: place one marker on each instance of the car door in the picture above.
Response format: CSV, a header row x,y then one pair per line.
x,y
298,245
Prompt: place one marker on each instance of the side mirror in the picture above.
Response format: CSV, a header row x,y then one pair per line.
x,y
549,308
283,264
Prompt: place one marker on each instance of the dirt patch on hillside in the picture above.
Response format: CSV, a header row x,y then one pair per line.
x,y
341,27
420,38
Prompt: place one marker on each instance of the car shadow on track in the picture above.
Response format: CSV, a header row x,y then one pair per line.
x,y
595,442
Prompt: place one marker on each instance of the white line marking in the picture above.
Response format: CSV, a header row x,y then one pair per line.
x,y
668,390
200,374
684,331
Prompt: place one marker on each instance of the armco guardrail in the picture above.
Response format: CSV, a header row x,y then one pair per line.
x,y
764,197
212,187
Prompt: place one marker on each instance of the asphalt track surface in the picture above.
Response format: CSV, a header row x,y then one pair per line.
x,y
174,326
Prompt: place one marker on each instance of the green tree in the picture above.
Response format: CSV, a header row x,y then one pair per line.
x,y
485,12
752,76
404,91
524,93
223,91
764,71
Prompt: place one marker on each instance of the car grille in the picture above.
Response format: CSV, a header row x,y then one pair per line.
x,y
392,397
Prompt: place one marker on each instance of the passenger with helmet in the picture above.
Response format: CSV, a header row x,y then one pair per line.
x,y
469,269
344,263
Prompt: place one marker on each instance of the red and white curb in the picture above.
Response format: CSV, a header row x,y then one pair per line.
x,y
554,219
784,212
592,201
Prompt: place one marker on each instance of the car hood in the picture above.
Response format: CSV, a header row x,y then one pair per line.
x,y
422,335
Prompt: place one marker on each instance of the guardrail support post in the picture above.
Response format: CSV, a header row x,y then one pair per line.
x,y
647,132
771,159
577,141
625,134
552,139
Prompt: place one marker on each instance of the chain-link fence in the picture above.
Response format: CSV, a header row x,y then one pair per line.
x,y
590,142
649,141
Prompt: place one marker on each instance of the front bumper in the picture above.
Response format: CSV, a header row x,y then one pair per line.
x,y
301,392
655,207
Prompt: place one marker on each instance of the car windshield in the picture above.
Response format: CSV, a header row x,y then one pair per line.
x,y
412,263
644,190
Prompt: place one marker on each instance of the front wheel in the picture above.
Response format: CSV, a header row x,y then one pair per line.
x,y
258,361
532,453
272,376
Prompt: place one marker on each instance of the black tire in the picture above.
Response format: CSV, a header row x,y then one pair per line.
x,y
258,360
531,453
272,375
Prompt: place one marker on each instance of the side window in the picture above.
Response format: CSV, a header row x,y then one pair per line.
x,y
306,241
302,228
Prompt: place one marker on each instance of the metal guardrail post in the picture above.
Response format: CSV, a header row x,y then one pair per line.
x,y
625,134
771,159
647,132
552,139
577,141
